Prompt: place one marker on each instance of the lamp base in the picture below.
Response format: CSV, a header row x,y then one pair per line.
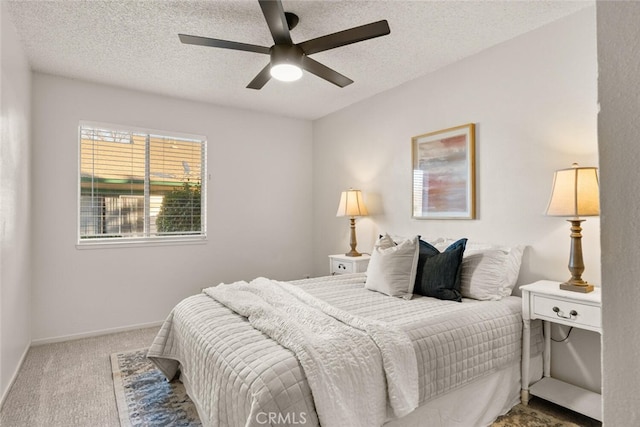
x,y
353,241
584,288
576,265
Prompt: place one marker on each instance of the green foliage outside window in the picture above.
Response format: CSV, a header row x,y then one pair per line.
x,y
180,210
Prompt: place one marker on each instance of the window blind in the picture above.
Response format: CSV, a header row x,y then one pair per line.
x,y
137,185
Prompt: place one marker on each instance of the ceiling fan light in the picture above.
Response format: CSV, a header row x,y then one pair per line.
x,y
286,72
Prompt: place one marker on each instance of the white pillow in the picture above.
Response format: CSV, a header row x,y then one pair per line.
x,y
392,268
489,272
400,238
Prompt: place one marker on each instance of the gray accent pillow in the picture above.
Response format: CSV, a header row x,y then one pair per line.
x,y
392,268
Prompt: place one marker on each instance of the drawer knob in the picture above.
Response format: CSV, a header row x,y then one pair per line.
x,y
559,313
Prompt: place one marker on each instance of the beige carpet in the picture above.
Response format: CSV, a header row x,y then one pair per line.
x,y
70,384
145,398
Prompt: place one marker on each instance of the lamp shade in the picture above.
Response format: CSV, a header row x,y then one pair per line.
x,y
575,192
351,204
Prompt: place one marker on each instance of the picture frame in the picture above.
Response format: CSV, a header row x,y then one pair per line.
x,y
444,174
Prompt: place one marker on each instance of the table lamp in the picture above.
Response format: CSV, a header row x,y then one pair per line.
x,y
352,205
575,194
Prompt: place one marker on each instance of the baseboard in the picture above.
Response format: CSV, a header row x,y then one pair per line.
x,y
97,333
5,392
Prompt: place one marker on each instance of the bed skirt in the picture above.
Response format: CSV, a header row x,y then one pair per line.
x,y
484,400
476,404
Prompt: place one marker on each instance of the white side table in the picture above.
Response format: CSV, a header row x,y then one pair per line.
x,y
342,264
546,301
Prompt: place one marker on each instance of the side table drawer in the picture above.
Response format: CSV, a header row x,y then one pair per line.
x,y
344,264
341,267
567,312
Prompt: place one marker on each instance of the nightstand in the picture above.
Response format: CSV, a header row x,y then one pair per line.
x,y
342,264
546,301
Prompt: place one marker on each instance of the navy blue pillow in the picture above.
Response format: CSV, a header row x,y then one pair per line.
x,y
438,273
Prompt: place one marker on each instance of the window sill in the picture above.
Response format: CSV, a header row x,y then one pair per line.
x,y
141,243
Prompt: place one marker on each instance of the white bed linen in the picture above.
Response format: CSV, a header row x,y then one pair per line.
x,y
236,375
354,366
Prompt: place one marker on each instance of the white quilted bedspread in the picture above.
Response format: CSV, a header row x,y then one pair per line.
x,y
238,376
345,358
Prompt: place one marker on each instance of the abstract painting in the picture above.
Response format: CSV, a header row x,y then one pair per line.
x,y
444,174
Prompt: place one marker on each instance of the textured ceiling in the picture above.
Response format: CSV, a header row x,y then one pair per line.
x,y
134,44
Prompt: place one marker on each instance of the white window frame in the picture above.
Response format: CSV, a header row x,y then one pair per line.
x,y
84,243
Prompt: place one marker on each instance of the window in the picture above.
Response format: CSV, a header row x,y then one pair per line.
x,y
140,185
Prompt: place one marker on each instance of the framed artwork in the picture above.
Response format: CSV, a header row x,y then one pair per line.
x,y
444,174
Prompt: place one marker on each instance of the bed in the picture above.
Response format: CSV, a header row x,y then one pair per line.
x,y
466,368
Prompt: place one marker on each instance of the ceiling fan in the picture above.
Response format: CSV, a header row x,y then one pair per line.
x,y
288,58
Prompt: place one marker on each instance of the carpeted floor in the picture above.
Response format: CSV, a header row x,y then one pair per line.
x,y
145,398
70,384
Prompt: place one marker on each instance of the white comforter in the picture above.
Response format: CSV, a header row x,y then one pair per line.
x,y
238,376
345,358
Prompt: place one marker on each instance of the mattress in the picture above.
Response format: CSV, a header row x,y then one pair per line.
x,y
237,376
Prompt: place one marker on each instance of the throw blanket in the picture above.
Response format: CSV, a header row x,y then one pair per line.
x,y
352,364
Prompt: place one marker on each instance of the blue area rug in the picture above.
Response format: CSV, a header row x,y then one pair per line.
x,y
145,397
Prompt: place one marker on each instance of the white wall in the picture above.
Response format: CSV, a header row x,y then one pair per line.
x,y
534,102
619,136
15,218
259,209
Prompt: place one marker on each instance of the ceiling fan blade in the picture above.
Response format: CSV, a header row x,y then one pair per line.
x,y
276,20
225,44
343,38
324,72
261,79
